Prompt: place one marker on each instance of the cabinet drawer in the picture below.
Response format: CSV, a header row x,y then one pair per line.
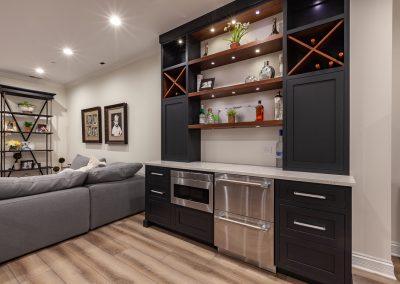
x,y
313,195
159,211
158,191
194,223
313,261
313,225
157,175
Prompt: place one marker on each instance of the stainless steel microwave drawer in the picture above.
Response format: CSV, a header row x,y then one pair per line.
x,y
246,196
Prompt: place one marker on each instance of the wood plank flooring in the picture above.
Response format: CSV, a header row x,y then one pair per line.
x,y
126,252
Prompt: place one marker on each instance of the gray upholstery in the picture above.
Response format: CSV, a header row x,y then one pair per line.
x,y
116,200
79,162
26,186
113,172
33,222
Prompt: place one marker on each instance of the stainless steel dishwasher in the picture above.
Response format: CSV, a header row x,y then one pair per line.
x,y
244,218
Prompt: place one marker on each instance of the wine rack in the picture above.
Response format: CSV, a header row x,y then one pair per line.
x,y
174,82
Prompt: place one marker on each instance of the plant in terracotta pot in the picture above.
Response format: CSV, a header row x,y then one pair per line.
x,y
28,126
26,107
231,115
238,30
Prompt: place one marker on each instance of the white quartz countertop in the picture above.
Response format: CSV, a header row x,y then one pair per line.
x,y
258,171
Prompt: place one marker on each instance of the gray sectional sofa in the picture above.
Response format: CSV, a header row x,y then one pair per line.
x,y
36,212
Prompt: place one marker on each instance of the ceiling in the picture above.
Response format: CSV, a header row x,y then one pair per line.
x,y
33,33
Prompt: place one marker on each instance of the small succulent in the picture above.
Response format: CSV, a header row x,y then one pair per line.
x,y
28,124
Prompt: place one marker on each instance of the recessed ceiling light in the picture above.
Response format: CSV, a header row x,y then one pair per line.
x,y
39,70
257,50
212,30
213,63
233,57
233,21
180,41
115,21
258,12
68,51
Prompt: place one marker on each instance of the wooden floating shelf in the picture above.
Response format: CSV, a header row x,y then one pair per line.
x,y
266,10
247,124
247,51
246,88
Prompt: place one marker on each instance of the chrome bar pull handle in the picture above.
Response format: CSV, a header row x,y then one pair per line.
x,y
262,227
157,192
319,228
315,196
264,185
156,174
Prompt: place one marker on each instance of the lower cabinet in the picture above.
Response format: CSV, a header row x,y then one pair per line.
x,y
313,238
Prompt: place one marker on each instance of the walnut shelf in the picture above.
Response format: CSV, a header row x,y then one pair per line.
x,y
271,44
247,124
240,89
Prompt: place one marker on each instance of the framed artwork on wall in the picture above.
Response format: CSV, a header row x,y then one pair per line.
x,y
91,125
116,119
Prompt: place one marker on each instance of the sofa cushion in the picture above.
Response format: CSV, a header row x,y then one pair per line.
x,y
26,186
113,172
79,162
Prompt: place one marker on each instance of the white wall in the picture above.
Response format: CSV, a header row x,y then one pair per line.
x,y
371,99
138,85
59,121
396,130
255,146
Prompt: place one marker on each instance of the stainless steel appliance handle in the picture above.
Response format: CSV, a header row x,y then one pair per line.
x,y
315,196
157,192
319,228
267,184
263,227
156,174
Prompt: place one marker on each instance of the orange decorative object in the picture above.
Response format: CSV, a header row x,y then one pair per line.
x,y
318,66
330,63
313,41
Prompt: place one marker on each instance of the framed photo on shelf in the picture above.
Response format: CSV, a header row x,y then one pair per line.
x,y
207,84
27,165
42,128
91,125
10,125
116,119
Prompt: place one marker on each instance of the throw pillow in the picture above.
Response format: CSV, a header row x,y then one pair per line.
x,y
79,162
113,172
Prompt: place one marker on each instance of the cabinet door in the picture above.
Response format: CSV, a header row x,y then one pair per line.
x,y
159,211
316,137
174,129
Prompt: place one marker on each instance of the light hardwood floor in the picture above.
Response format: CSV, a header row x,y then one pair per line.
x,y
126,252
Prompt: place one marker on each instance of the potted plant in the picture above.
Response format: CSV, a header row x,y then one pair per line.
x,y
238,31
26,107
28,126
13,145
231,115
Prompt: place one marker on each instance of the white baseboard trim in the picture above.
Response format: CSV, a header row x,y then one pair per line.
x,y
396,249
374,265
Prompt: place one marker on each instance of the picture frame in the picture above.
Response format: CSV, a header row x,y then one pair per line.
x,y
91,125
10,125
27,164
116,124
42,128
207,84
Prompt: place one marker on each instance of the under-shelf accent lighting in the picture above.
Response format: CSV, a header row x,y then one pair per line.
x,y
257,50
257,126
233,22
39,70
233,93
213,63
180,41
212,30
257,89
233,57
258,12
213,96
115,21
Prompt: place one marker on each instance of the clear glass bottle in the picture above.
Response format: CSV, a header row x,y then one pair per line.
x,y
202,116
259,112
279,150
210,116
267,72
278,104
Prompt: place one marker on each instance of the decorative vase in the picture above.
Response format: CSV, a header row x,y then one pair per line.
x,y
13,148
231,118
235,45
267,72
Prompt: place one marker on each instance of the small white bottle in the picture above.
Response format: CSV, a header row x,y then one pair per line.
x,y
279,150
202,116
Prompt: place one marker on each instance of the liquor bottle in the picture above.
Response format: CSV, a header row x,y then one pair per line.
x,y
259,112
279,150
202,116
278,102
210,116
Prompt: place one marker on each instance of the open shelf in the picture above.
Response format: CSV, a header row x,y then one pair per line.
x,y
247,51
246,88
23,151
247,124
25,114
266,10
24,132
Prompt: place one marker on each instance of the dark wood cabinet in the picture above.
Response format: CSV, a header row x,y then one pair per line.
x,y
316,137
313,237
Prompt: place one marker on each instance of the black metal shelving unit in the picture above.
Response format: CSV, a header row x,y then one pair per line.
x,y
44,114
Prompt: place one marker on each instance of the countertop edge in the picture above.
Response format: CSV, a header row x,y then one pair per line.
x,y
284,175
